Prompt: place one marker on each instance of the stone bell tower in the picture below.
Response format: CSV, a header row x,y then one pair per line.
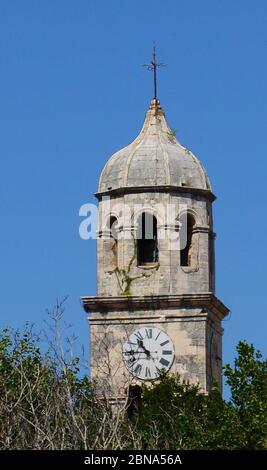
x,y
160,284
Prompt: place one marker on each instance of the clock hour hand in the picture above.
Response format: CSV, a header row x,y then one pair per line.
x,y
141,344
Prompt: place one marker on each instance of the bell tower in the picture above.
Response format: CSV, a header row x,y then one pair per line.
x,y
156,306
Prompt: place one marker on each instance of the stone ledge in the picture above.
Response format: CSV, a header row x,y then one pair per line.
x,y
106,304
206,193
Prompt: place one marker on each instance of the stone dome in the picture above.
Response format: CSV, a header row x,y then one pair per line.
x,y
154,158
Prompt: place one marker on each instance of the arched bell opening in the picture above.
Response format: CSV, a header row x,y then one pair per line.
x,y
186,254
147,240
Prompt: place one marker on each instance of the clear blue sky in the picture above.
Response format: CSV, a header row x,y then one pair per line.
x,y
72,91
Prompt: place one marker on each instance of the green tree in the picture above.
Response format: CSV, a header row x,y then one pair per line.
x,y
176,415
248,383
42,402
47,403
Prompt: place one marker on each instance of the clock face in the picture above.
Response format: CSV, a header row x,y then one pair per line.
x,y
147,352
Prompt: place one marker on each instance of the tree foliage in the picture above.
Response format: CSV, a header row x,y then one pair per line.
x,y
46,403
248,383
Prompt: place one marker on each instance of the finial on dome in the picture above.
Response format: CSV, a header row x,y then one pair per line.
x,y
155,107
153,65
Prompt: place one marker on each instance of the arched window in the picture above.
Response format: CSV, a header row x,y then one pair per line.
x,y
147,240
186,253
111,245
113,227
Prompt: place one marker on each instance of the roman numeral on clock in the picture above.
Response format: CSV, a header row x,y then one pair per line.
x,y
138,369
131,361
147,373
164,342
164,362
138,335
149,333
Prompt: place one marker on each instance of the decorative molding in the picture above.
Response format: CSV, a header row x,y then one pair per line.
x,y
182,190
160,302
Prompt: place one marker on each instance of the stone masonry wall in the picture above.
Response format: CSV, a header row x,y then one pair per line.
x,y
189,330
168,277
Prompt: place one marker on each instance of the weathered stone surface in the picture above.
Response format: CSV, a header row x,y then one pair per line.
x,y
154,158
197,344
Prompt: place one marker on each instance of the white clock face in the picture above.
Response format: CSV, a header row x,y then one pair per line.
x,y
147,352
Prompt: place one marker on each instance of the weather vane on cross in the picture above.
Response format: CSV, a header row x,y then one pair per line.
x,y
153,65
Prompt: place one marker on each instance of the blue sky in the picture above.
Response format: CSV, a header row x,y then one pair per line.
x,y
73,91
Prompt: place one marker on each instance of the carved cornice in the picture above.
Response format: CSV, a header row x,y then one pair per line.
x,y
205,193
160,302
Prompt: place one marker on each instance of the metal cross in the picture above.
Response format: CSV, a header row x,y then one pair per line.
x,y
153,65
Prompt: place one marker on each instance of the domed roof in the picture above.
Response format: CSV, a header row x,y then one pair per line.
x,y
154,158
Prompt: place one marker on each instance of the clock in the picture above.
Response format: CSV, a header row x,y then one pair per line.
x,y
147,352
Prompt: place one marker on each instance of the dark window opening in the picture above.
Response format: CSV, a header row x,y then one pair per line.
x,y
147,240
186,253
113,227
134,400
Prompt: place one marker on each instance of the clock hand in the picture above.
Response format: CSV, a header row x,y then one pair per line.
x,y
131,352
141,344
